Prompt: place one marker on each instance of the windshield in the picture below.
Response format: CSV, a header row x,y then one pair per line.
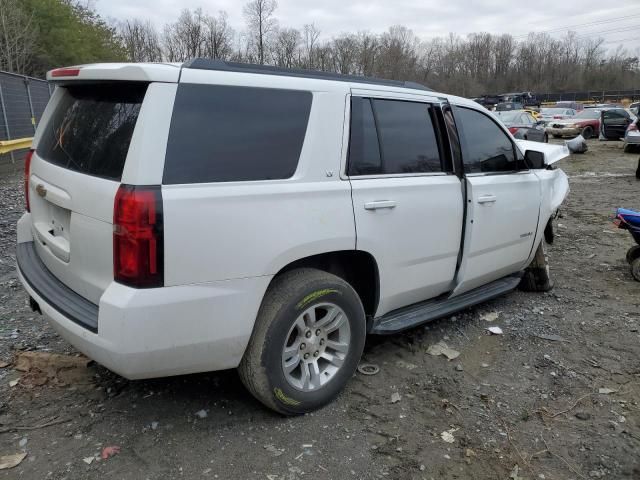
x,y
553,111
508,117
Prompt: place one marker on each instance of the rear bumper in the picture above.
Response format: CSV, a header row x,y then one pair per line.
x,y
154,332
632,138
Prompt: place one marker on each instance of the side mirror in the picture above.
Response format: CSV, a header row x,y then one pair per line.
x,y
534,160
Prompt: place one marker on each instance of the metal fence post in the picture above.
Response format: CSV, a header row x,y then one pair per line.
x,y
33,115
6,121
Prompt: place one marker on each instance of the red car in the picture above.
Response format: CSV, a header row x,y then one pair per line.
x,y
587,123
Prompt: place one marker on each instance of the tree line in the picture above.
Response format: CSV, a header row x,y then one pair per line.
x,y
36,35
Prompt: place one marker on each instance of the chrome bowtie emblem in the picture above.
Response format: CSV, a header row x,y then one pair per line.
x,y
42,191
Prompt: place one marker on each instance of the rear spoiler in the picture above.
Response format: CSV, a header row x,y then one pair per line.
x,y
132,72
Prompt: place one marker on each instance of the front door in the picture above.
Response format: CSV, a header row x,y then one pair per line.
x,y
614,123
503,202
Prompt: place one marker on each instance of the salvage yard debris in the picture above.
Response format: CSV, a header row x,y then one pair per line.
x,y
10,461
447,435
42,367
495,330
109,452
442,348
490,316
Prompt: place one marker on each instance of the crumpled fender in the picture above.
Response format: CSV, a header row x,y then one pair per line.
x,y
552,153
554,188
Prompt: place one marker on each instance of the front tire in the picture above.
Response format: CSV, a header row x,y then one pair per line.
x,y
633,253
587,133
307,341
536,276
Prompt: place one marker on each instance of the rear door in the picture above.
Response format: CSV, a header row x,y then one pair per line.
x,y
81,150
535,131
503,202
407,202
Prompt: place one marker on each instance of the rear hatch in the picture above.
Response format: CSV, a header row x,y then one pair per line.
x,y
81,150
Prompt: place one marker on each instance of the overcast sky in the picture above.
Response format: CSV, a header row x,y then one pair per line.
x,y
427,18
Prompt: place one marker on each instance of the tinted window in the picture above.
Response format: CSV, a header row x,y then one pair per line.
x,y
364,151
406,138
226,134
486,148
91,128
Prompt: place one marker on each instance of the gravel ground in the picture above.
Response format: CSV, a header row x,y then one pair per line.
x,y
523,405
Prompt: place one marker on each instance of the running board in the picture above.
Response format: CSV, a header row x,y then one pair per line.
x,y
419,313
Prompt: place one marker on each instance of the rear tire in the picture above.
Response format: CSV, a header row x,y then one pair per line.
x,y
536,277
587,132
546,138
289,328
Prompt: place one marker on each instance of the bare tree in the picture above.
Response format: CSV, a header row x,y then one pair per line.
x,y
185,38
311,35
286,47
218,41
261,24
17,37
141,41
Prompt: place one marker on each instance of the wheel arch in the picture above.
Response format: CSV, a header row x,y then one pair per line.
x,y
357,267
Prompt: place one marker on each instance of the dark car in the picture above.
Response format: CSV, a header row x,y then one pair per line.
x,y
508,106
522,125
614,123
527,99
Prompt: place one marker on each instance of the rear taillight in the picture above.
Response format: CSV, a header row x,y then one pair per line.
x,y
65,72
513,130
138,237
27,174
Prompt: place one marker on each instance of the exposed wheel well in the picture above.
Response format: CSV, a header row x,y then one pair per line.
x,y
356,267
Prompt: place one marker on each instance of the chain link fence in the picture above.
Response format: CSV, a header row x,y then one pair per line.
x,y
22,101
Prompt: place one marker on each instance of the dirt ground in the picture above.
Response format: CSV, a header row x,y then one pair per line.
x,y
522,405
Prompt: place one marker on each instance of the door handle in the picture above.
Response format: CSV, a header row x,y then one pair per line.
x,y
487,199
380,204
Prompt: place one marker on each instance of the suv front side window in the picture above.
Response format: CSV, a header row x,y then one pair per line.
x,y
485,146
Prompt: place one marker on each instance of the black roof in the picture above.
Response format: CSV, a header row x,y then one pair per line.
x,y
221,65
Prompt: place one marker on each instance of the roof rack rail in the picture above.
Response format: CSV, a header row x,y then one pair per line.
x,y
224,66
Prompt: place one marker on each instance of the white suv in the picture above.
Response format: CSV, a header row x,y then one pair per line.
x,y
210,215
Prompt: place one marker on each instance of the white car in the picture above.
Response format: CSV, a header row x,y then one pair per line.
x,y
210,215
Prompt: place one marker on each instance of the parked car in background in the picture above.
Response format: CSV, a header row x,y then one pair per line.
x,y
192,217
572,105
632,137
635,108
549,114
488,101
522,125
527,99
585,123
614,123
508,106
535,113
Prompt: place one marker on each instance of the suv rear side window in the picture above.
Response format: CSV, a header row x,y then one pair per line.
x,y
405,141
485,146
227,134
91,128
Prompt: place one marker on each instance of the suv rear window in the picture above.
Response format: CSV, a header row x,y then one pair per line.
x,y
227,134
91,128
